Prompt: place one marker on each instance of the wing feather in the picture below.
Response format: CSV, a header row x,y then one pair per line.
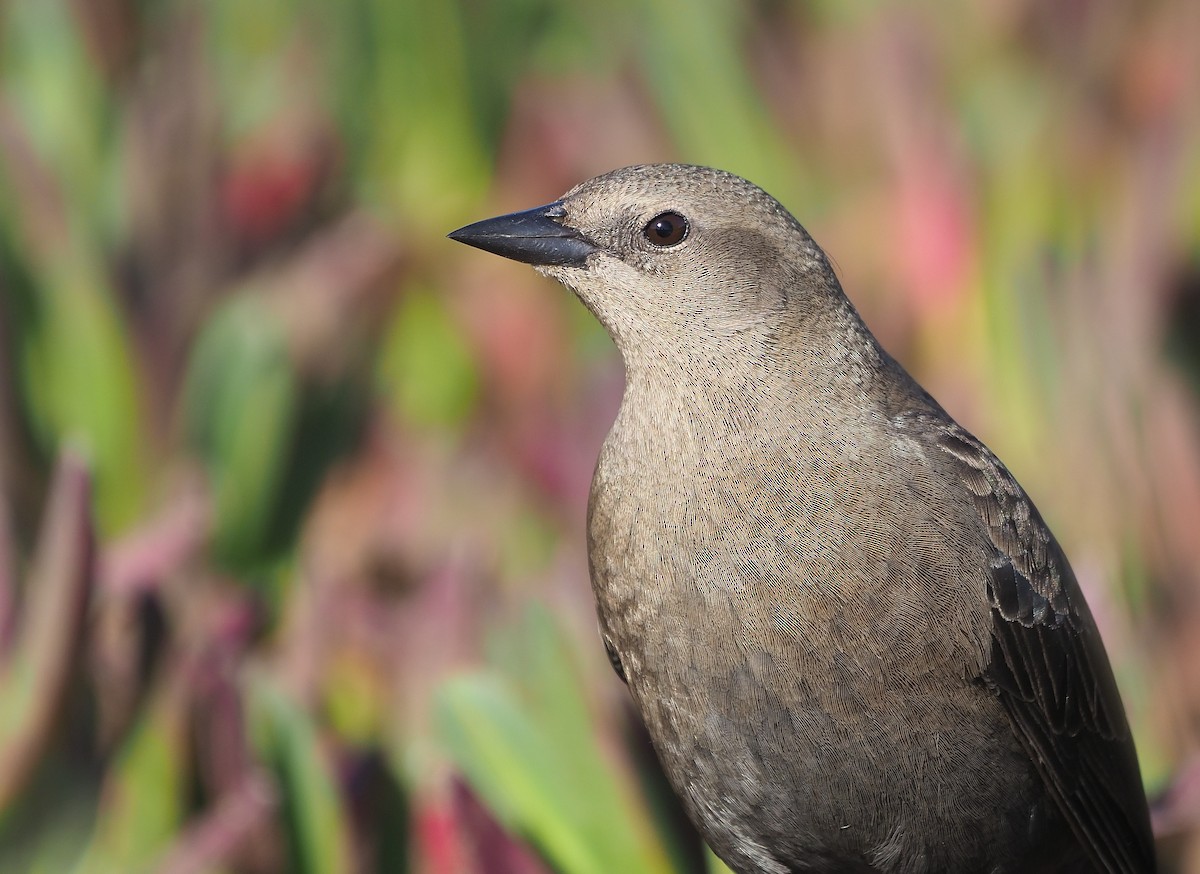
x,y
1049,668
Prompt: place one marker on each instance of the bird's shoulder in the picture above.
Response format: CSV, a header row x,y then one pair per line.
x,y
1029,581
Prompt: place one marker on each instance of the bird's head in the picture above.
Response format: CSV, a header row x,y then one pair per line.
x,y
669,256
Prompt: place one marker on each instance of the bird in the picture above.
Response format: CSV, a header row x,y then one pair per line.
x,y
853,640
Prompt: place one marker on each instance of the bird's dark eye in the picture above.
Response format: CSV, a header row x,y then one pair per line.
x,y
666,229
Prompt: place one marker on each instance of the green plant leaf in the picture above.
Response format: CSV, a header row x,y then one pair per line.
x,y
240,404
528,750
142,803
318,840
427,369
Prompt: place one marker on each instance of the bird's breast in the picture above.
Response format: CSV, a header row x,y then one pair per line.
x,y
808,557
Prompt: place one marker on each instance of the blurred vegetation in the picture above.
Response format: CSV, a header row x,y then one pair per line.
x,y
292,574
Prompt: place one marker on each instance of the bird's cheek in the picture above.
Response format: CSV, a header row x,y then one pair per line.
x,y
771,297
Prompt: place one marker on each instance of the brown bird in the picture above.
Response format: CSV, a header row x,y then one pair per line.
x,y
855,643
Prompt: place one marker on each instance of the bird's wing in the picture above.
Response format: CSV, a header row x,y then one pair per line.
x,y
1049,668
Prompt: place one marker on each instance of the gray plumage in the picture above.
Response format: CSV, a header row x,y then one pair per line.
x,y
855,643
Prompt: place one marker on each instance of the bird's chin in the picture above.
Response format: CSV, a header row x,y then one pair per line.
x,y
568,275
561,272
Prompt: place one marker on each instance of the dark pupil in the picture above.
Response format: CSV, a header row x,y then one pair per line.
x,y
666,229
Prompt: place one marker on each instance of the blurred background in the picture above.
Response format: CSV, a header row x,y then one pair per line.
x,y
292,489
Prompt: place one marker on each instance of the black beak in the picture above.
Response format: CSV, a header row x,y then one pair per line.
x,y
535,236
